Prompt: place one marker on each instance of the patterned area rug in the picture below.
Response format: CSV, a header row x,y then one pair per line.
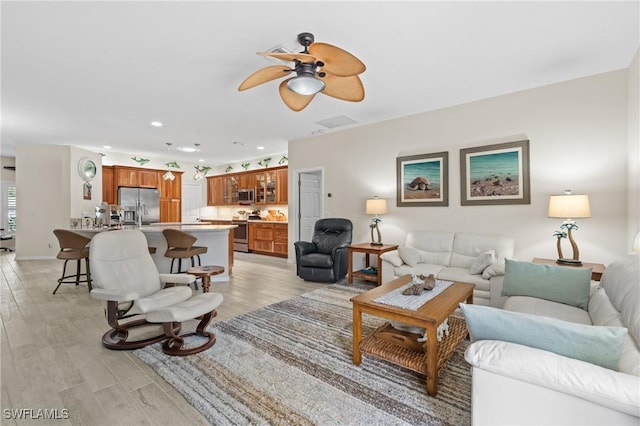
x,y
290,363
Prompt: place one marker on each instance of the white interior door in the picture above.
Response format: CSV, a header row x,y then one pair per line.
x,y
310,208
191,196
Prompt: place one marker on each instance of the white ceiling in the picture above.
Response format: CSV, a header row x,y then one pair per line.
x,y
91,74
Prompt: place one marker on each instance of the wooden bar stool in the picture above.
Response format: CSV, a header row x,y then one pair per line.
x,y
73,246
180,246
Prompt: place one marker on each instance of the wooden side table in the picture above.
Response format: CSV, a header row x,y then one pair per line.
x,y
367,249
596,268
205,273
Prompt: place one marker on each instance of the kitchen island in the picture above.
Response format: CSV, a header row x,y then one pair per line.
x,y
217,238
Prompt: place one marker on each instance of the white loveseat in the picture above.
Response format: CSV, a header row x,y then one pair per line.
x,y
450,256
518,384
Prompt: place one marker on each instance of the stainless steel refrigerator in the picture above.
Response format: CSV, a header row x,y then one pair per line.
x,y
140,205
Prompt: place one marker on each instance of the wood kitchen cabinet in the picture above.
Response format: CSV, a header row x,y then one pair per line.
x,y
270,186
261,237
126,176
246,180
170,210
281,239
170,197
230,190
170,188
268,238
109,189
134,177
265,187
282,186
215,191
147,178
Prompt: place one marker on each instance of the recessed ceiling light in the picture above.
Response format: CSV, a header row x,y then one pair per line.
x,y
156,124
201,160
260,147
194,148
106,147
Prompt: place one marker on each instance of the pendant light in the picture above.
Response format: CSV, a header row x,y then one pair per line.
x,y
168,175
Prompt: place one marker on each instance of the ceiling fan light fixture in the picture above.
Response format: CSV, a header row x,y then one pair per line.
x,y
305,85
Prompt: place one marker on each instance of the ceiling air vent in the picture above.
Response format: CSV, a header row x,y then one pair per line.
x,y
286,47
334,122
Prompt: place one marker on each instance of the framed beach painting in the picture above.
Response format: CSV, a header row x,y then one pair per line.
x,y
495,174
423,180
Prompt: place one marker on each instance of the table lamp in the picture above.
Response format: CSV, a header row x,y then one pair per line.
x,y
568,207
376,206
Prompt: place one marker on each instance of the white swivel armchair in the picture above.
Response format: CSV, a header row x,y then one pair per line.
x,y
126,278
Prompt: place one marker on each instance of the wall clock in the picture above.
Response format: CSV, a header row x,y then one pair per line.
x,y
87,169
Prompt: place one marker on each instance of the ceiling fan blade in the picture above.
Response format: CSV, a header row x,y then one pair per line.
x,y
348,88
263,75
294,101
337,61
302,57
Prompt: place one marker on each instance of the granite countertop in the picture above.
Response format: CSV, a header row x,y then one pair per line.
x,y
177,223
250,220
186,228
160,227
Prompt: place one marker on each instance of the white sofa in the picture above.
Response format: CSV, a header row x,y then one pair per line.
x,y
449,256
517,384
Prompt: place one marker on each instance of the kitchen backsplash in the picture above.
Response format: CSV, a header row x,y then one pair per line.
x,y
224,212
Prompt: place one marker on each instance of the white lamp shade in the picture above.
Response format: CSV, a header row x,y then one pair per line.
x,y
569,206
635,247
305,85
376,206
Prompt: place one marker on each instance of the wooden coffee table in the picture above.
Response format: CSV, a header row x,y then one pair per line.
x,y
428,316
205,273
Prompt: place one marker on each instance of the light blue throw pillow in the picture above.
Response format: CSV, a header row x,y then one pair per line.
x,y
556,283
598,345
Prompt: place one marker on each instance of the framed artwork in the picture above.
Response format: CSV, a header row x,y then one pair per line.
x,y
86,191
423,180
495,174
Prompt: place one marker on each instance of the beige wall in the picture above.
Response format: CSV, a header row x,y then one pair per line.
x,y
578,140
633,114
583,133
7,175
49,192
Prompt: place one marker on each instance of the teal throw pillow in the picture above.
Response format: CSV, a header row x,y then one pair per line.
x,y
598,345
556,283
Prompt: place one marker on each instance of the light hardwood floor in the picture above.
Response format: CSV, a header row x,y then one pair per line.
x,y
52,358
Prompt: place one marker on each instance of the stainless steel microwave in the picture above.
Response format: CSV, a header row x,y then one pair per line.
x,y
245,196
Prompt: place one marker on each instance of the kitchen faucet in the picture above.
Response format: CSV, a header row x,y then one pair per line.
x,y
140,210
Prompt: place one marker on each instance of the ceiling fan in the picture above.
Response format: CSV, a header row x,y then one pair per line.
x,y
319,68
